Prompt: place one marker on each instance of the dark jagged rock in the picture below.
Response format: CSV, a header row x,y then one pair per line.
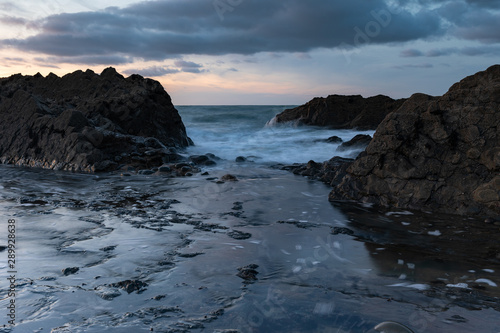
x,y
341,112
330,172
435,153
248,273
130,286
70,270
360,141
88,122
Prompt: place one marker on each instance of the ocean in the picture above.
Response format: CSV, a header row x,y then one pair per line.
x,y
249,131
266,253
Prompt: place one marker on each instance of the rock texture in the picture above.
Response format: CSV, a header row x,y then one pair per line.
x,y
87,122
341,112
435,153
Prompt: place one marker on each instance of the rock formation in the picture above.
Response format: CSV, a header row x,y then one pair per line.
x,y
341,112
435,153
87,122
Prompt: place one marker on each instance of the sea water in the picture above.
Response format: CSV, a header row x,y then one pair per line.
x,y
249,131
318,267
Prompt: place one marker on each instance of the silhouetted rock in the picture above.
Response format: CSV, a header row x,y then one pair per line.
x,y
87,122
435,153
342,112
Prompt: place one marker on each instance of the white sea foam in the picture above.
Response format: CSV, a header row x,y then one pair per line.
x,y
231,131
458,285
398,213
487,281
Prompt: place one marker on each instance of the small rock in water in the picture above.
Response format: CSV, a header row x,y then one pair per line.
x,y
240,159
342,230
70,270
164,168
248,273
239,234
229,178
130,285
334,139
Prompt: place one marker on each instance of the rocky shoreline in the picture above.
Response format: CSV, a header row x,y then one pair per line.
x,y
433,153
88,122
341,112
428,153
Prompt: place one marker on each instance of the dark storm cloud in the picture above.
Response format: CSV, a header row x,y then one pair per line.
x,y
486,50
157,30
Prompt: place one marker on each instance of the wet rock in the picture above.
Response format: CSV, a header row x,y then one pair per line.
x,y
239,234
240,159
360,141
199,159
145,172
130,286
334,139
248,273
330,172
229,178
164,168
107,293
108,248
189,255
237,205
88,122
342,112
159,297
3,248
31,200
70,270
435,153
299,224
342,230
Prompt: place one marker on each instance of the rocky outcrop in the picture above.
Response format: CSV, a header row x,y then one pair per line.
x,y
88,122
435,153
341,112
360,141
330,172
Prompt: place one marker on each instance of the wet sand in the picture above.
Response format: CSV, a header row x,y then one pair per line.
x,y
266,253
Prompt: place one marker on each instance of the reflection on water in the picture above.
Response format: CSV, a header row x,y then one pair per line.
x,y
178,245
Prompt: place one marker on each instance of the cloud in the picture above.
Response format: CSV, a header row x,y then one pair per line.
x,y
182,66
414,66
189,67
484,50
473,20
159,30
152,71
101,59
410,53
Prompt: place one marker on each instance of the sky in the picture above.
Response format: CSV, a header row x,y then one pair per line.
x,y
257,52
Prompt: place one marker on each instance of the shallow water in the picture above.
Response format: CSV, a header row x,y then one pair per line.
x,y
175,236
185,245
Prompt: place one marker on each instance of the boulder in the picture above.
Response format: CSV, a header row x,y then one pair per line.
x,y
435,153
84,121
341,112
